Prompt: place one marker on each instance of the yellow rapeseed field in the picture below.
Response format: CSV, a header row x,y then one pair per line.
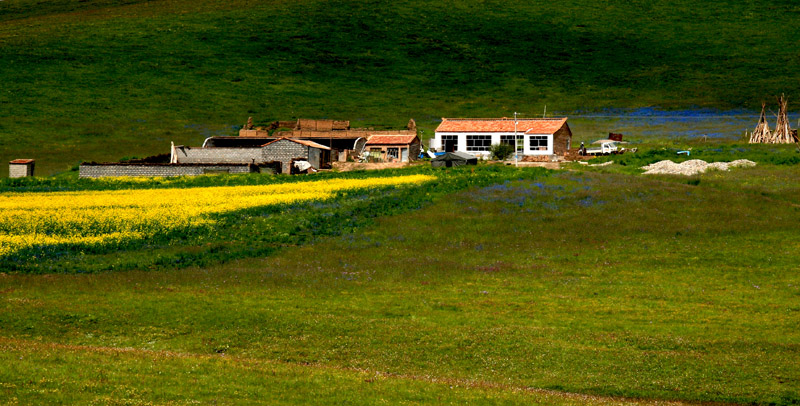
x,y
96,218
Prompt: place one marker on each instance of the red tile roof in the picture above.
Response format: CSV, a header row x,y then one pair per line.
x,y
391,139
311,144
21,161
524,125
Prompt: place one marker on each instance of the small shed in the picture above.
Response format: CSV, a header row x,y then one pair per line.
x,y
449,159
288,150
388,148
20,168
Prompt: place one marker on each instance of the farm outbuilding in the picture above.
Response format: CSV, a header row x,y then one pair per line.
x,y
393,148
533,136
280,152
20,168
343,140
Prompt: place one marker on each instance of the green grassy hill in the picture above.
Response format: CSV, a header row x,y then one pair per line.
x,y
101,79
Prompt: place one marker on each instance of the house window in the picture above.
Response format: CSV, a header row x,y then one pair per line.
x,y
509,140
375,154
393,152
538,142
479,142
450,143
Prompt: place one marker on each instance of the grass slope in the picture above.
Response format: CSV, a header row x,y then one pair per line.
x,y
604,284
101,79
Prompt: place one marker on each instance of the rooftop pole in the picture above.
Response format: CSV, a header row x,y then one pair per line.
x,y
516,142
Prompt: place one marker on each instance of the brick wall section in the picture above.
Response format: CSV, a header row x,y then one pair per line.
x,y
560,138
115,170
191,155
20,170
285,151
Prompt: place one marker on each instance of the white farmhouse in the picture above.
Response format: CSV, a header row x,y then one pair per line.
x,y
533,136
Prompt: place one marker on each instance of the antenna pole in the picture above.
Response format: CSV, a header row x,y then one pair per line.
x,y
545,112
516,142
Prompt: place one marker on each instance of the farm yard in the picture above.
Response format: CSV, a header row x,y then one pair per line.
x,y
664,275
502,286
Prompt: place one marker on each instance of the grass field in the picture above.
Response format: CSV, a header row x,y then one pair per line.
x,y
484,285
101,80
539,290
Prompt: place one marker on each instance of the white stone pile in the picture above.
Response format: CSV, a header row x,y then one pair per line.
x,y
693,167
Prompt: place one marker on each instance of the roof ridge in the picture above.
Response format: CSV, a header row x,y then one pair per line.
x,y
502,119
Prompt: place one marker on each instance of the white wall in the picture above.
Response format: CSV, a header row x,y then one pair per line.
x,y
462,142
528,150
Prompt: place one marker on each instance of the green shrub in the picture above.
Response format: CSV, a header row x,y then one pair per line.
x,y
501,151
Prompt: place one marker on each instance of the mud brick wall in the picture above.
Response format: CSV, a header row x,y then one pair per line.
x,y
219,155
116,170
560,139
253,133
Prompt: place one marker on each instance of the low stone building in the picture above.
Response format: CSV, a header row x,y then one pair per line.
x,y
281,153
20,168
343,140
275,156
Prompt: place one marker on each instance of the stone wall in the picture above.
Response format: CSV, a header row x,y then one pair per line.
x,y
115,170
219,155
20,170
285,151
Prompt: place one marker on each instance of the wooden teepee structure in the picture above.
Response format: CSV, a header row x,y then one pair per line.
x,y
761,134
783,133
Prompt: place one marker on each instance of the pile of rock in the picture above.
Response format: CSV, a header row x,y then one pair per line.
x,y
693,167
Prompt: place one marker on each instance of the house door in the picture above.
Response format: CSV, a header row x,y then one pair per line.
x,y
450,143
404,155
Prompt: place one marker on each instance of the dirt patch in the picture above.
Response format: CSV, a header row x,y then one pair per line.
x,y
366,166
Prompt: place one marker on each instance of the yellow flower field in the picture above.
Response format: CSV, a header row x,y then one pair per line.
x,y
96,218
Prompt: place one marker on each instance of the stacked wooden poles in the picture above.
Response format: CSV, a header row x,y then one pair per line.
x,y
783,133
761,134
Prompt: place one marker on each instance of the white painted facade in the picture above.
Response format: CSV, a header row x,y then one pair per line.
x,y
462,139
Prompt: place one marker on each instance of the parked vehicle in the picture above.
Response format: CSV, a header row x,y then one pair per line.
x,y
606,147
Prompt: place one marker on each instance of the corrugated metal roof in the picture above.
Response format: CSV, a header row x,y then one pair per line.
x,y
506,125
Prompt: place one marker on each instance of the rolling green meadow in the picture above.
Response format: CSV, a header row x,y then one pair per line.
x,y
569,287
480,285
99,80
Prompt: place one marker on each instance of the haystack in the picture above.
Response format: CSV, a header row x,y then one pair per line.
x,y
761,134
